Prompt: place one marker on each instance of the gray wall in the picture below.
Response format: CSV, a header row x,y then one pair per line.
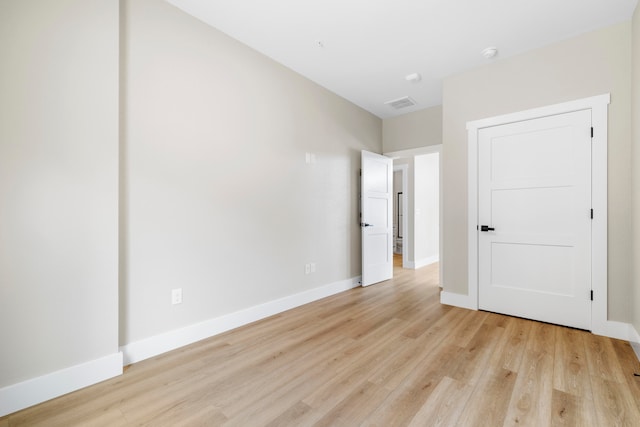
x,y
426,206
58,185
412,130
590,64
217,197
215,194
635,162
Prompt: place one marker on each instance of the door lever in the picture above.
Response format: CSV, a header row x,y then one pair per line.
x,y
364,224
486,228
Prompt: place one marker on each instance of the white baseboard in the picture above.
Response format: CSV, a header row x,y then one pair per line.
x,y
613,329
634,340
158,344
40,389
457,300
423,262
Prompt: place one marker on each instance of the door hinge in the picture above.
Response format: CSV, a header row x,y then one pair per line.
x,y
591,131
591,213
592,295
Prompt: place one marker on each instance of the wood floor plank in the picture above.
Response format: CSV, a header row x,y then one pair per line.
x,y
351,372
570,372
510,348
614,406
474,321
407,357
433,312
473,361
572,410
387,355
444,406
291,417
407,399
530,403
185,415
282,388
354,407
488,403
602,359
630,367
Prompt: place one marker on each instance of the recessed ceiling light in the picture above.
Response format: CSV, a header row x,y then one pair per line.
x,y
319,43
490,52
413,78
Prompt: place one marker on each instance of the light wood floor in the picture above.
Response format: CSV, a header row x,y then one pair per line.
x,y
386,355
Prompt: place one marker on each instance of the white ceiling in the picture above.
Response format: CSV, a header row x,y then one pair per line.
x,y
371,45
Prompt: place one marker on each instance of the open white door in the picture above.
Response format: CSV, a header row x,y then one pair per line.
x,y
376,220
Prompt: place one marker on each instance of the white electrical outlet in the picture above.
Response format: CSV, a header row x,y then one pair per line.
x,y
307,268
176,296
313,267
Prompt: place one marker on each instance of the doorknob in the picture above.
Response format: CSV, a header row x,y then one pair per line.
x,y
486,228
364,224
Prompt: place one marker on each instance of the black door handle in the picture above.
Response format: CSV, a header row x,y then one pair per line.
x,y
364,224
486,228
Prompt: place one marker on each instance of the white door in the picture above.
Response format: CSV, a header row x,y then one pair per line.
x,y
376,219
534,216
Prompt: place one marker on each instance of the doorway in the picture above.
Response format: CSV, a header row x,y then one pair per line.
x,y
597,107
400,214
534,203
422,235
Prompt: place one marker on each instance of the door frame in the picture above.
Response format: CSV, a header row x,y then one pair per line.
x,y
599,119
412,152
404,171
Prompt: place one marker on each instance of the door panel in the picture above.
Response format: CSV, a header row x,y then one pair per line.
x,y
376,218
534,188
512,269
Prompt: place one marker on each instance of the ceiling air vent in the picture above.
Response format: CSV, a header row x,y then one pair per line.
x,y
399,103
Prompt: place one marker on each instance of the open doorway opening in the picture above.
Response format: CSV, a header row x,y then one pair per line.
x,y
400,219
417,211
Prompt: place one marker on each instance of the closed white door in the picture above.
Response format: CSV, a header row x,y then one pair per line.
x,y
376,219
534,214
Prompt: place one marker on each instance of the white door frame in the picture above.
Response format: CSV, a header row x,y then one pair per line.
x,y
599,113
404,171
412,152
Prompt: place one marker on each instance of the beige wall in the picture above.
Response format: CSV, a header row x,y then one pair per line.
x,y
426,207
413,130
590,64
635,166
218,199
58,185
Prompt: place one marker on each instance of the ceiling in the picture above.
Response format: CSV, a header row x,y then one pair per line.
x,y
363,49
